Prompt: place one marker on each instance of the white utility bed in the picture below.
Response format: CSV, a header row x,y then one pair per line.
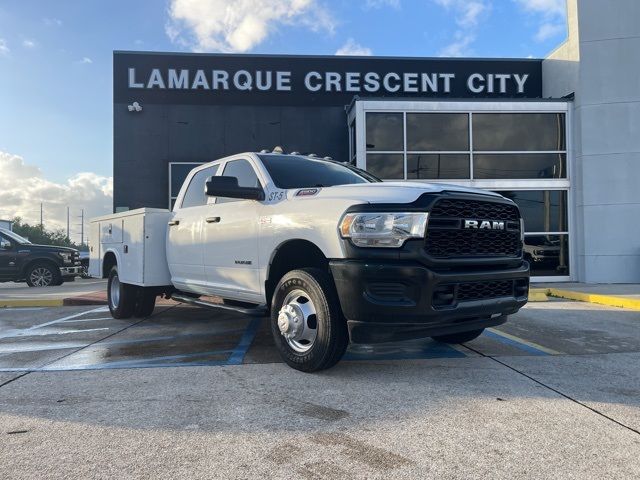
x,y
137,238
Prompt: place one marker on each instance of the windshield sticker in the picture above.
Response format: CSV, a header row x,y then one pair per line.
x,y
307,192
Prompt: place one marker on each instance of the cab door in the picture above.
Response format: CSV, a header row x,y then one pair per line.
x,y
8,259
230,237
185,254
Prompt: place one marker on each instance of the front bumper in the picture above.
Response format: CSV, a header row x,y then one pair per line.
x,y
70,271
386,301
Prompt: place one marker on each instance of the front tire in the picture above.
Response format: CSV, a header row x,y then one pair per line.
x,y
462,337
120,296
307,324
43,275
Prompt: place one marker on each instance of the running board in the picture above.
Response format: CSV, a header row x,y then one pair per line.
x,y
257,311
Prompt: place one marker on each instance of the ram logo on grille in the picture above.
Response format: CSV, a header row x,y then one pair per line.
x,y
484,224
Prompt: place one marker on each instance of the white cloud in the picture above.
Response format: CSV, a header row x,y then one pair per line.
x,y
23,187
382,3
4,48
85,60
548,30
29,43
239,26
52,22
468,15
552,14
460,47
352,48
468,12
546,7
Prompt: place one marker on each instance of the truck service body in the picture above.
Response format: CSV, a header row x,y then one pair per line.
x,y
333,253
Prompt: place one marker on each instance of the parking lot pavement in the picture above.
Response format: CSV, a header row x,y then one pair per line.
x,y
20,295
554,392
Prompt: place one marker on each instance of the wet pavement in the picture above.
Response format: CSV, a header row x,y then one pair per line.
x,y
75,338
193,393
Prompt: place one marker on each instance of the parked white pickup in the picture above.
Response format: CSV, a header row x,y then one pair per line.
x,y
333,253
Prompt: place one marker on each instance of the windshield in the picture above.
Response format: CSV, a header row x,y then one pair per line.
x,y
293,171
13,236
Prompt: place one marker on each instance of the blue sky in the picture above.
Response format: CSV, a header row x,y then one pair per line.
x,y
56,56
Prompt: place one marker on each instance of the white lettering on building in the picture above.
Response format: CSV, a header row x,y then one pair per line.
x,y
314,81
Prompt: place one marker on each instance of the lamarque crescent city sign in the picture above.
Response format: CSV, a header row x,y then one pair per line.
x,y
314,80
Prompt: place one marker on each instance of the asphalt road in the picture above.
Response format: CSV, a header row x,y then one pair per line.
x,y
188,393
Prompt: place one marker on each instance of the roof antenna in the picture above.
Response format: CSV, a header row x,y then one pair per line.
x,y
277,149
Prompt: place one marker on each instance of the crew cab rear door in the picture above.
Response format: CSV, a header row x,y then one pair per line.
x,y
230,237
185,237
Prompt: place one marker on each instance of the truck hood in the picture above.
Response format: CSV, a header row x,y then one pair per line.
x,y
41,248
394,192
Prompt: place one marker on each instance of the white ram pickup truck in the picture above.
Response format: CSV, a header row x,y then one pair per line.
x,y
334,254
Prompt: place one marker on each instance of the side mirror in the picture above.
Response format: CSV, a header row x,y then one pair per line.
x,y
228,187
5,245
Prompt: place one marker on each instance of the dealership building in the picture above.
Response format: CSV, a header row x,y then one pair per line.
x,y
560,136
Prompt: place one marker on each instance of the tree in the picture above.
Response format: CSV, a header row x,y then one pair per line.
x,y
35,234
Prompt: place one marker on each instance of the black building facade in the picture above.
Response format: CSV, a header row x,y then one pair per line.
x,y
196,108
475,122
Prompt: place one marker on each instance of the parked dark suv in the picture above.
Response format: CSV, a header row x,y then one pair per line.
x,y
38,265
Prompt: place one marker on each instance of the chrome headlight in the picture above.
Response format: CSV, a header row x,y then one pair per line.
x,y
66,256
386,230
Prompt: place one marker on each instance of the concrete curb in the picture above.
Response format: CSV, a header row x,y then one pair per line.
x,y
31,302
609,300
55,302
538,295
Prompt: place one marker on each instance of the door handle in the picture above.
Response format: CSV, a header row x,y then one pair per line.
x,y
212,219
173,222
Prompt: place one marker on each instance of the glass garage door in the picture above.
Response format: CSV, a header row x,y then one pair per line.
x,y
517,148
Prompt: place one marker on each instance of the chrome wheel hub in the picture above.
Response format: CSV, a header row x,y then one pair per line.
x,y
115,292
297,321
41,277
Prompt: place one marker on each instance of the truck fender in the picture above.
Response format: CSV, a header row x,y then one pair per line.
x,y
108,253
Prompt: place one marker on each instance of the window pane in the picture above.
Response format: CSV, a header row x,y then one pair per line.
x,y
547,254
542,210
386,166
385,132
194,195
527,165
352,143
450,166
244,172
292,171
519,131
437,131
179,172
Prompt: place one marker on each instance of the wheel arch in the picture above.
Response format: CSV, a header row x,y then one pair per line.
x,y
109,261
33,261
290,255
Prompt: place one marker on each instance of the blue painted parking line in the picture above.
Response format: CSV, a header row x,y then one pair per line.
x,y
164,360
519,343
241,349
212,363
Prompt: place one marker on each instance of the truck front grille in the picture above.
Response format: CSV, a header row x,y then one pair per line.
x,y
448,295
447,239
460,208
